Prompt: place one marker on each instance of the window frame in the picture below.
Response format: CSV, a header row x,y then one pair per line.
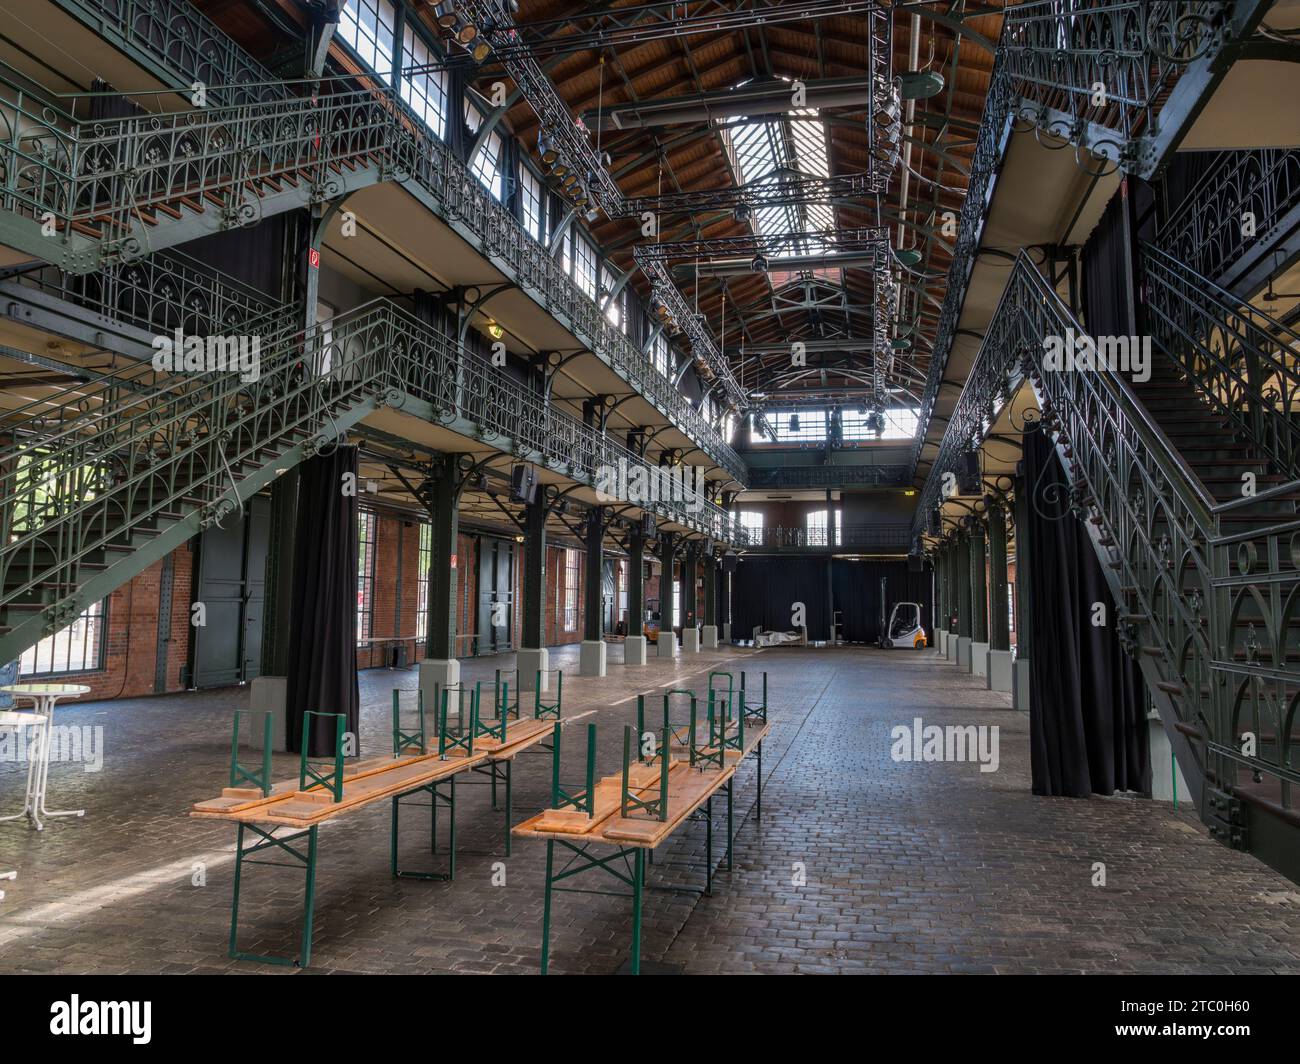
x,y
96,612
367,536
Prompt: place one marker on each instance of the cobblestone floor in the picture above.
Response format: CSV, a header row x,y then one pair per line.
x,y
860,864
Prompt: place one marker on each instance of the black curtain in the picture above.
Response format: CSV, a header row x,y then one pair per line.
x,y
323,625
1087,717
856,586
765,589
1105,294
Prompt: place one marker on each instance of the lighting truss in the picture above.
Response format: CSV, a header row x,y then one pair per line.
x,y
567,134
673,306
787,188
872,239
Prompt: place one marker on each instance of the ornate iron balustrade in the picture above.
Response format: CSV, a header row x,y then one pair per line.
x,y
895,538
181,37
166,291
1244,363
1182,583
1061,54
108,173
139,449
993,133
828,476
1208,230
119,176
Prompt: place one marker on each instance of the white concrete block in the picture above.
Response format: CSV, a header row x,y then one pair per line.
x,y
709,637
634,650
999,670
591,658
529,661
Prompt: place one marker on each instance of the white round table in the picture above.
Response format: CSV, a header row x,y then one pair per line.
x,y
43,697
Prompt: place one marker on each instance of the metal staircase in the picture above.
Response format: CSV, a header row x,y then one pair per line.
x,y
95,489
113,191
1207,578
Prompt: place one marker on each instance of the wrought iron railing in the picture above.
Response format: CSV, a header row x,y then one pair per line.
x,y
1231,209
1052,56
1095,74
828,476
892,537
141,447
166,291
1185,585
1242,362
442,180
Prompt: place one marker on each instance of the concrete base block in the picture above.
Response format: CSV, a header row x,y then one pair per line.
x,y
1166,777
690,640
963,652
950,651
436,672
634,650
529,661
667,644
979,659
709,637
270,694
726,631
1020,685
591,658
941,640
998,670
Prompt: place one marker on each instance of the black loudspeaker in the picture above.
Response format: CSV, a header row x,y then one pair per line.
x,y
914,563
969,481
648,525
523,483
934,522
729,561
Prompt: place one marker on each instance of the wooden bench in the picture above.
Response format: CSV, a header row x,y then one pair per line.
x,y
637,811
328,789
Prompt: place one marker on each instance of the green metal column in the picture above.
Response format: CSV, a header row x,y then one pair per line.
x,y
593,623
979,587
533,633
1024,625
636,582
667,549
999,625
689,567
710,590
962,553
441,498
279,574
941,588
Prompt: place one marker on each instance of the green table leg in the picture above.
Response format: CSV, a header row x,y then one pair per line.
x,y
309,905
233,951
546,906
638,887
509,803
730,822
708,846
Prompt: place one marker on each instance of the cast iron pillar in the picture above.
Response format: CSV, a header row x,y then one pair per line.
x,y
667,548
592,656
532,657
441,496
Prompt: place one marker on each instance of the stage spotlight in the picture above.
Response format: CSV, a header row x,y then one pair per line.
x,y
759,264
